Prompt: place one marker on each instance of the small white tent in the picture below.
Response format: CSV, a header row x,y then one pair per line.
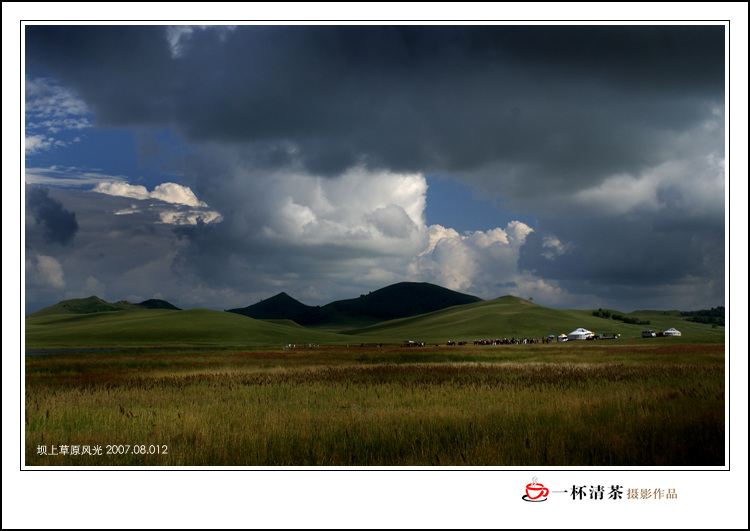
x,y
562,337
672,332
580,333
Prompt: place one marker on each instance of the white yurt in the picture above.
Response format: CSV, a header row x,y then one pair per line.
x,y
672,332
579,333
562,337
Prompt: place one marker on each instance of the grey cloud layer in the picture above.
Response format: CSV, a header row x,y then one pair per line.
x,y
565,104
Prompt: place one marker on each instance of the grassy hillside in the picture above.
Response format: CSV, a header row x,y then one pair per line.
x,y
59,327
514,317
162,327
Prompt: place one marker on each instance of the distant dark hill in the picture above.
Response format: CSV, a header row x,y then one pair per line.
x,y
96,305
87,305
392,302
157,304
280,306
405,299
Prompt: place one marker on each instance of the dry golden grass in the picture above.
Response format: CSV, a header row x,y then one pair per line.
x,y
376,407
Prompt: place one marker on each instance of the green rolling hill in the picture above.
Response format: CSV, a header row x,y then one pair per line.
x,y
515,317
163,327
92,322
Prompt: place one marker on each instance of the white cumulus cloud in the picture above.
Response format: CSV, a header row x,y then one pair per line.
x,y
475,261
362,209
122,189
167,192
173,194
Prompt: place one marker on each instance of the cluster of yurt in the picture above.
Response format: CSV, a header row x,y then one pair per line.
x,y
582,333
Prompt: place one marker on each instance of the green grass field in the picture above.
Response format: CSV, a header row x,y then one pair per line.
x,y
163,328
654,403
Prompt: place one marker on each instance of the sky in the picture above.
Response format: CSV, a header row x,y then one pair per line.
x,y
581,166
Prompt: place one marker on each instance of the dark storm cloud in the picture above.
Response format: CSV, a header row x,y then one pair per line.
x,y
633,252
124,73
561,102
58,224
630,259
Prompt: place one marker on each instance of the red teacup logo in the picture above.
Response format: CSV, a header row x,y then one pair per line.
x,y
536,491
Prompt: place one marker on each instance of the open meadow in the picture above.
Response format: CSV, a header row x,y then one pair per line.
x,y
657,402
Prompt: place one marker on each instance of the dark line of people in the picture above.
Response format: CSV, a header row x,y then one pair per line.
x,y
514,341
503,341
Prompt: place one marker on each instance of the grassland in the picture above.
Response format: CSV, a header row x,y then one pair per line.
x,y
502,317
217,389
653,402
